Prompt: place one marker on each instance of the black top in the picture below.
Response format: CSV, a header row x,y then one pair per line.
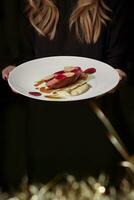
x,y
110,48
25,43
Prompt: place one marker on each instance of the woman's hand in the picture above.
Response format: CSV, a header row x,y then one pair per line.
x,y
122,75
123,78
6,71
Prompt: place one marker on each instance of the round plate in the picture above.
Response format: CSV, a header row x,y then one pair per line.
x,y
23,77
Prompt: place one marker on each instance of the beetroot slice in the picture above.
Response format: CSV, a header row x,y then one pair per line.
x,y
59,76
90,70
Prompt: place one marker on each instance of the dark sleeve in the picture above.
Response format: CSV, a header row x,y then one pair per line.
x,y
130,47
116,44
16,47
5,57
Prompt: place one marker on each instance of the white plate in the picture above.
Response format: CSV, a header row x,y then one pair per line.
x,y
23,77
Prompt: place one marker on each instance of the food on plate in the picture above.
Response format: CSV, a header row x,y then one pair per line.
x,y
79,90
71,81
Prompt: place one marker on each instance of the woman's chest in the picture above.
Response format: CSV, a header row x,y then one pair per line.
x,y
66,43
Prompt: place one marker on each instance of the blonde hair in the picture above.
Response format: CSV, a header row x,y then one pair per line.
x,y
87,18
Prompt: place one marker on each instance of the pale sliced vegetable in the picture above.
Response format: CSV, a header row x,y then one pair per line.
x,y
80,89
69,74
69,68
49,77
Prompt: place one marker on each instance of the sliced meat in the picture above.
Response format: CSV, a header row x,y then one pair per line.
x,y
68,76
64,79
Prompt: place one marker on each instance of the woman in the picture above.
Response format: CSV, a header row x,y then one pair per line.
x,y
68,137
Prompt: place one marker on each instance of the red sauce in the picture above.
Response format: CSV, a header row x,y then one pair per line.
x,y
60,76
35,93
43,89
90,70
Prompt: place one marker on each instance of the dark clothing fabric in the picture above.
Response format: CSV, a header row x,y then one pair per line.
x,y
111,46
49,137
130,46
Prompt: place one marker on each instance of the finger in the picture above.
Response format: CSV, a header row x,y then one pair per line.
x,y
5,75
6,71
122,74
